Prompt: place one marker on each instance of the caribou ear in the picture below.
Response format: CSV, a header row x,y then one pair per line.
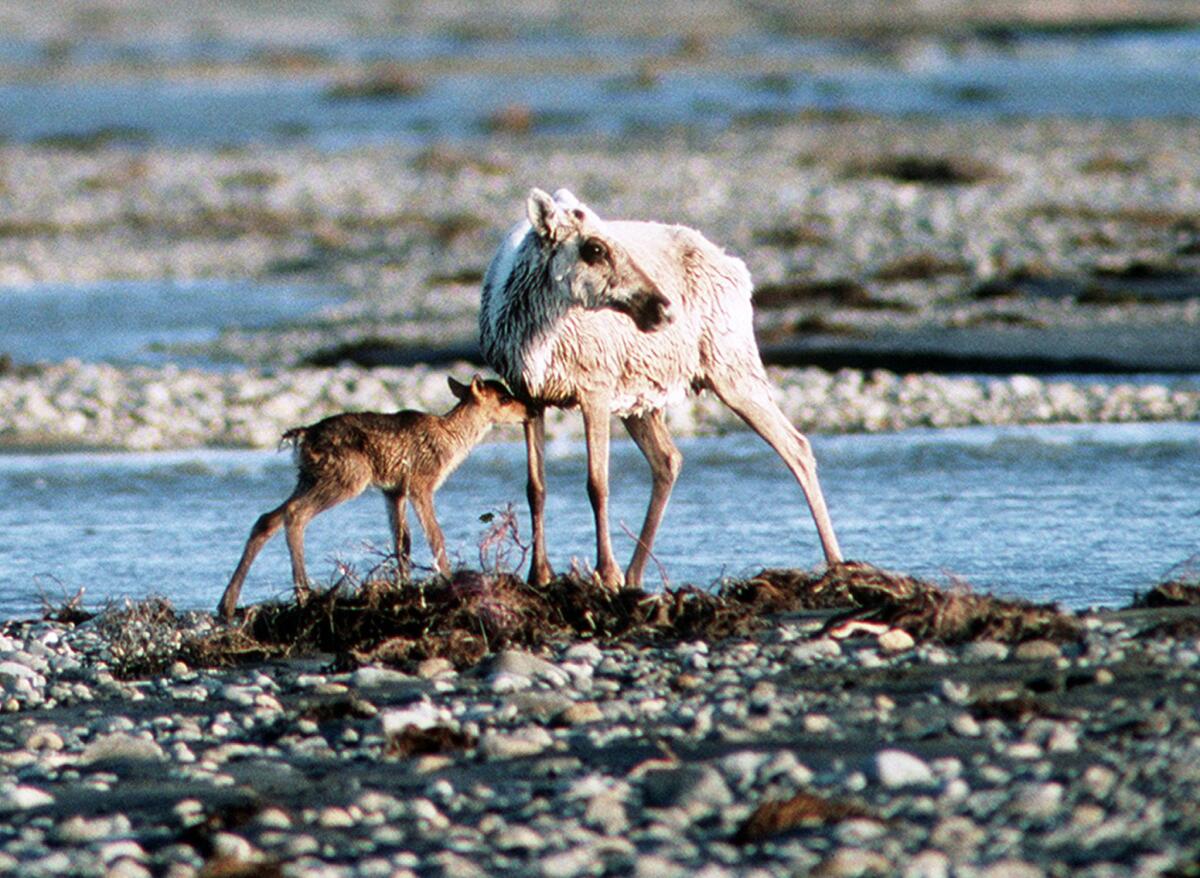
x,y
549,221
565,198
459,389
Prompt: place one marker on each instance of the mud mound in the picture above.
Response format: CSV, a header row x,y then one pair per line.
x,y
469,615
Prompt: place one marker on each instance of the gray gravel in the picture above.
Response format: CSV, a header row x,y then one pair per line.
x,y
402,233
86,405
596,759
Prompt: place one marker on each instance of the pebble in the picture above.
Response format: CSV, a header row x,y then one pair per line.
x,y
582,713
527,741
896,640
515,664
696,789
40,410
632,778
119,747
1037,651
897,768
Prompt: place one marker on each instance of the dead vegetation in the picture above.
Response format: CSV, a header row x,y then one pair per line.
x,y
926,170
467,616
414,741
1173,593
802,811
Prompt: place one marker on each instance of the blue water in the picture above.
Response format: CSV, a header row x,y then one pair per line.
x,y
132,321
1112,76
1083,515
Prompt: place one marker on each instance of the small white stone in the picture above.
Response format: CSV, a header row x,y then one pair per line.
x,y
896,640
897,768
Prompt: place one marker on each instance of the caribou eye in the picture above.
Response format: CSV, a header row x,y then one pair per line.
x,y
592,251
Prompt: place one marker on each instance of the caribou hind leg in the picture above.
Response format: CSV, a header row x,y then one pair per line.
x,y
750,397
650,434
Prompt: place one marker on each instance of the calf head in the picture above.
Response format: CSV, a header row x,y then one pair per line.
x,y
588,266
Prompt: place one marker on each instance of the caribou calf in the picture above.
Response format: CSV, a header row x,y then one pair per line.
x,y
406,453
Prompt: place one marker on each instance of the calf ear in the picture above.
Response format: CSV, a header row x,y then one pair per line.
x,y
549,220
476,386
459,389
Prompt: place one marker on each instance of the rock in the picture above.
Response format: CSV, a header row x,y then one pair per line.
x,y
984,651
814,650
581,713
697,789
1037,651
44,739
927,864
896,640
523,664
606,812
519,838
538,705
850,862
432,668
817,724
585,651
421,715
23,798
121,748
958,837
1012,868
965,725
1038,801
372,677
897,768
527,741
657,866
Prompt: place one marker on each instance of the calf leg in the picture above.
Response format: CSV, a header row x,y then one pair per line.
x,y
423,505
300,509
262,531
401,537
750,397
650,434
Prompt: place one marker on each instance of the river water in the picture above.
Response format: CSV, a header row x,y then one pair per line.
x,y
1083,515
590,86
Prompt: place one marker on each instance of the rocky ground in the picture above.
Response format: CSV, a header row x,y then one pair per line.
x,y
1014,243
779,752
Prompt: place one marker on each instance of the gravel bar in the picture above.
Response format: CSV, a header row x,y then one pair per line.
x,y
779,754
84,405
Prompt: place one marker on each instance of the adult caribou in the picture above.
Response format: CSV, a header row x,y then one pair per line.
x,y
623,318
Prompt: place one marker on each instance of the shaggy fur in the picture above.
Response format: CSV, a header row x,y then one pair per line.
x,y
625,318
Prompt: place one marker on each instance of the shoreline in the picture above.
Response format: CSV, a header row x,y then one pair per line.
x,y
80,406
760,754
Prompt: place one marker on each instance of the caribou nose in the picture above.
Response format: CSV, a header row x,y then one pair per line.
x,y
650,310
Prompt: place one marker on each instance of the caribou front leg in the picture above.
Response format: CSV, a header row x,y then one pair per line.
x,y
595,425
535,492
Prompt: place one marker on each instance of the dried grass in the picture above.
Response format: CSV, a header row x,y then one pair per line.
x,y
803,810
949,616
412,741
467,616
1173,593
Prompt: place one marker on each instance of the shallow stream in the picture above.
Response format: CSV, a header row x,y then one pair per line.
x,y
1083,515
